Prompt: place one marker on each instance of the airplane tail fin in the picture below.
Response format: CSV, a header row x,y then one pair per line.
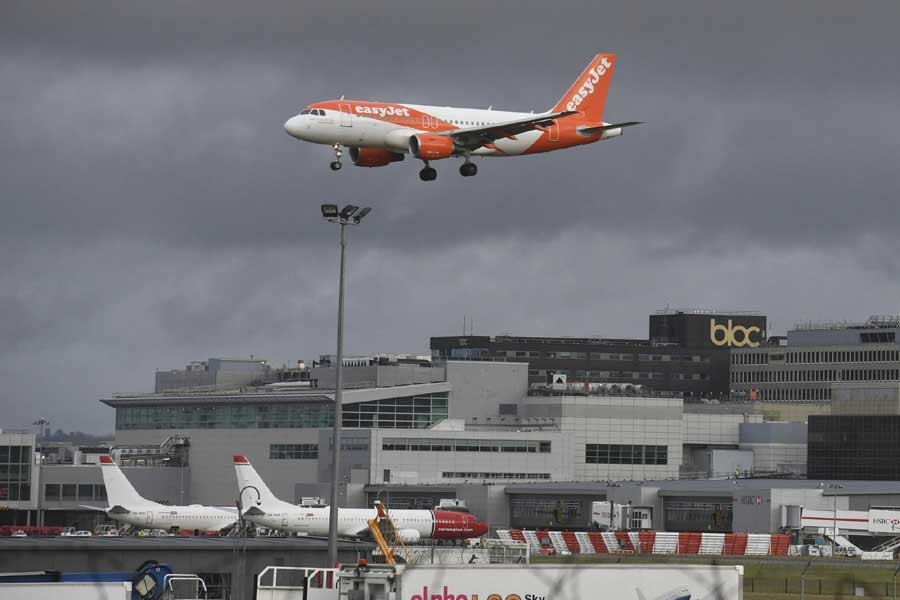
x,y
119,491
588,93
247,476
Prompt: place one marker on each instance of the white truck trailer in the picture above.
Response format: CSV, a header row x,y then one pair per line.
x,y
506,582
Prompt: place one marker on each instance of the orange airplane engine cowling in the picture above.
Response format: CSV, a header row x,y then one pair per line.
x,y
373,157
428,147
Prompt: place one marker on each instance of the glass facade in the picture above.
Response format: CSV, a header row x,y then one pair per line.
x,y
451,445
293,451
626,454
15,473
414,412
853,447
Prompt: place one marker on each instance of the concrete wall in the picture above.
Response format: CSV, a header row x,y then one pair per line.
x,y
378,376
622,420
416,467
863,398
212,471
715,428
479,388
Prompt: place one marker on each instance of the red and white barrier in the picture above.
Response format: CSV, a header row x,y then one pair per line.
x,y
652,542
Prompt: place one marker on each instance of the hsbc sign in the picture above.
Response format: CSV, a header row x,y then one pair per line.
x,y
735,336
884,521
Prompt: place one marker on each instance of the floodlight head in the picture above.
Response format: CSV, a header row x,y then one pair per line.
x,y
348,211
330,211
361,214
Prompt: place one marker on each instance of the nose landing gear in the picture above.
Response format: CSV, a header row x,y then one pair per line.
x,y
427,173
336,164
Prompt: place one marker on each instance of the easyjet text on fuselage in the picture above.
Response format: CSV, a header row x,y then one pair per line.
x,y
382,111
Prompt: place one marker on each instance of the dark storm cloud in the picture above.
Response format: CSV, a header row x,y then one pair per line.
x,y
155,212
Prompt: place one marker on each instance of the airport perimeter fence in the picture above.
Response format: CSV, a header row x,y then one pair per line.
x,y
815,587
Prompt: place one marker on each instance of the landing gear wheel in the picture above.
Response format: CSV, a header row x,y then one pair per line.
x,y
336,165
468,169
428,174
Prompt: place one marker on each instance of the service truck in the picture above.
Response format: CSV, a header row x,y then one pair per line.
x,y
506,582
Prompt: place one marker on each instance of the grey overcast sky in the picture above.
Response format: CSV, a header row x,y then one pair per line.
x,y
155,212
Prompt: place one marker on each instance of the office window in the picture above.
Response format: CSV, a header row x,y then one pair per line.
x,y
462,445
51,492
293,451
626,454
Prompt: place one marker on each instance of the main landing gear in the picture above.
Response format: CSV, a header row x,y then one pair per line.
x,y
336,164
468,169
427,173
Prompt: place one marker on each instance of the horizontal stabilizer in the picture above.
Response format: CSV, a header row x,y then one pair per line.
x,y
118,509
88,507
254,511
601,129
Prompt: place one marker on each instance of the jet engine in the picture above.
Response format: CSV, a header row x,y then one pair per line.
x,y
430,147
373,157
410,536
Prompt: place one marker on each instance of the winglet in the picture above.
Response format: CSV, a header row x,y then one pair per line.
x,y
106,459
240,459
588,94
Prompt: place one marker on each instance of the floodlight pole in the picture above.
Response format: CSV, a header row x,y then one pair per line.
x,y
336,430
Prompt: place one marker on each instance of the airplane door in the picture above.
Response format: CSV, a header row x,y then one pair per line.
x,y
345,115
284,520
554,133
149,517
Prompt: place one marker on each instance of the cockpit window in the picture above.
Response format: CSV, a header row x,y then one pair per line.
x,y
305,111
320,112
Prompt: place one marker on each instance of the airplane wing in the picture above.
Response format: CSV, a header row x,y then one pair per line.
x,y
601,129
472,138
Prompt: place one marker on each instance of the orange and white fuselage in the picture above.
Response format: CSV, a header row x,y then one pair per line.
x,y
379,133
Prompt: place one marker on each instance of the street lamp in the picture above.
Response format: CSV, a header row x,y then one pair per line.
x,y
349,215
832,486
240,548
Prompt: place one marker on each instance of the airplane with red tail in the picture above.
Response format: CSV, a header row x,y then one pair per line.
x,y
380,133
264,509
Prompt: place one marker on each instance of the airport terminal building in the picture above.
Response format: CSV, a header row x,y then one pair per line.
x,y
816,357
687,352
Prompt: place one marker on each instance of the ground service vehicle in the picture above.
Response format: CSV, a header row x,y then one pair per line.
x,y
509,582
151,581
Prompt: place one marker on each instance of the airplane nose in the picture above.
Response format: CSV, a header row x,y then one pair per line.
x,y
481,529
294,126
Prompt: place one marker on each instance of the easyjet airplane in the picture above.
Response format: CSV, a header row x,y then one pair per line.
x,y
379,133
412,525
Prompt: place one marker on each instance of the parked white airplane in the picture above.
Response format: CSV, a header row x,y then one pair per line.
x,y
127,506
266,510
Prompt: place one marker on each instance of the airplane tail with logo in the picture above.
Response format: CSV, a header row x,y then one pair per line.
x,y
119,490
588,94
247,479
